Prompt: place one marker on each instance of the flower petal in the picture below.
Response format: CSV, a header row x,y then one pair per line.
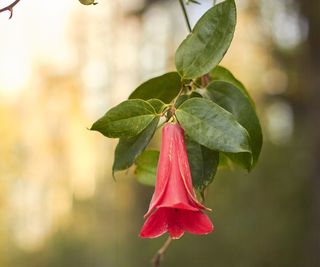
x,y
164,169
195,222
155,225
179,205
175,231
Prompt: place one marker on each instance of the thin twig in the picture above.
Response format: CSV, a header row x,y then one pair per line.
x,y
160,253
10,8
174,101
185,14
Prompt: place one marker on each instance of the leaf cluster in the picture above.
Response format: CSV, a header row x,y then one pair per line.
x,y
214,109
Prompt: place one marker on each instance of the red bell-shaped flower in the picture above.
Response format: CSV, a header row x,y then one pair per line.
x,y
174,207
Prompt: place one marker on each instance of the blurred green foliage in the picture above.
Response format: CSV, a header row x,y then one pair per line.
x,y
261,219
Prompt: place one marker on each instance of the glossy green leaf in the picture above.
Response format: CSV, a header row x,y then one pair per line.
x,y
237,102
129,148
127,119
220,73
210,39
183,98
157,104
195,94
212,126
180,100
165,88
146,169
203,164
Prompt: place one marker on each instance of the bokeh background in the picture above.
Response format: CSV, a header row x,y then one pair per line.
x,y
62,65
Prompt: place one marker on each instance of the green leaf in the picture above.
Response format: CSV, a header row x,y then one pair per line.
x,y
210,39
180,100
157,104
220,73
165,88
237,102
183,98
224,161
195,94
203,164
146,170
88,2
212,126
128,149
127,119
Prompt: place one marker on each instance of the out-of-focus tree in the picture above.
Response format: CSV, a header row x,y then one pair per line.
x,y
309,70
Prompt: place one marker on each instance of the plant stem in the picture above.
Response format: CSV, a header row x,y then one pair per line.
x,y
160,253
185,14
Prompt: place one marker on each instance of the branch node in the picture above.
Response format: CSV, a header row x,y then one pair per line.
x,y
10,8
11,12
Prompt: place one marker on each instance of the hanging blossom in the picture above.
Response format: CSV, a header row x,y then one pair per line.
x,y
174,207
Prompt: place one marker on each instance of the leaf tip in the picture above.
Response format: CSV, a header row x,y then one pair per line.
x,y
113,175
93,127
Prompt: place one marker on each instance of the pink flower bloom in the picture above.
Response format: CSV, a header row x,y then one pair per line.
x,y
174,207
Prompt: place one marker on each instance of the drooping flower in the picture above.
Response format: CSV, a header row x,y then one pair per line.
x,y
174,207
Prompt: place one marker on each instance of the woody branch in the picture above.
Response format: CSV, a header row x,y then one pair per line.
x,y
10,8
